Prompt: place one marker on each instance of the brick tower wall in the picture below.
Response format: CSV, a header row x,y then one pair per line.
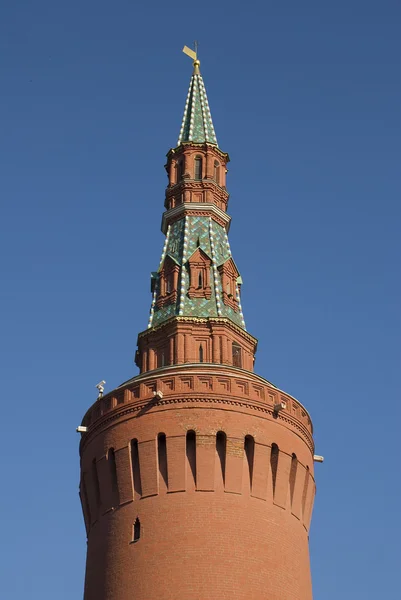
x,y
221,494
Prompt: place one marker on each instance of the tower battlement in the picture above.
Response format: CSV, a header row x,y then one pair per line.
x,y
209,402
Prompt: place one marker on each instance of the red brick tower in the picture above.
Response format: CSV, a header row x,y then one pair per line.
x,y
197,474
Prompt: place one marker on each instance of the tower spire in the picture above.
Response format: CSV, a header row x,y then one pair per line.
x,y
197,124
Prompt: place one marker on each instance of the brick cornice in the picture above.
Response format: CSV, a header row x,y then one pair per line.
x,y
196,209
198,184
212,321
178,150
182,385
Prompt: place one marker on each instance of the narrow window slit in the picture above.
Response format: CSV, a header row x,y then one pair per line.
x,y
221,445
162,459
305,491
198,167
136,471
136,530
236,355
249,446
216,172
293,475
274,465
111,457
191,456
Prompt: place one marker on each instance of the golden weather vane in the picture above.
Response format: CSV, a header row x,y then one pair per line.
x,y
194,55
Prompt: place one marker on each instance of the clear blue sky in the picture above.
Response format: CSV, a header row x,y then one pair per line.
x,y
305,98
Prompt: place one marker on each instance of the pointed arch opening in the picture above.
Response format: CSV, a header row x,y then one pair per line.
x,y
273,465
201,353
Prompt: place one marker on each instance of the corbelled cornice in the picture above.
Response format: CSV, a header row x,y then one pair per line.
x,y
196,209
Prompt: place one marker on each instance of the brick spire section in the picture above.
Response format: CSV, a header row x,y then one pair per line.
x,y
197,474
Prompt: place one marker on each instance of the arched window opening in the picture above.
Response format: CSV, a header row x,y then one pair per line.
x,y
236,355
136,533
249,446
161,358
217,172
200,280
274,465
305,491
180,170
162,459
136,472
201,353
113,477
191,456
293,475
198,167
221,445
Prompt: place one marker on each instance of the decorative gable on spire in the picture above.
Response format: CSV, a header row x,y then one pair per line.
x,y
168,282
229,279
199,274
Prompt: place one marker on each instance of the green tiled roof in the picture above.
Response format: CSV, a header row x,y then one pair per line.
x,y
183,238
197,125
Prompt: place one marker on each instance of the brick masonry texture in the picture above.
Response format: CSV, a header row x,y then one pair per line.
x,y
227,522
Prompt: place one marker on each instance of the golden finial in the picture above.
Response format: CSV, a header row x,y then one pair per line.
x,y
194,55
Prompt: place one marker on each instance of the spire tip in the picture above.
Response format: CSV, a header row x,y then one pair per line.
x,y
194,55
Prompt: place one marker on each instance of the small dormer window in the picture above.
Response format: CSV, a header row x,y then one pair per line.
x,y
167,289
199,265
198,167
229,276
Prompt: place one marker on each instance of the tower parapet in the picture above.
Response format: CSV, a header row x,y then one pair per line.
x,y
197,474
